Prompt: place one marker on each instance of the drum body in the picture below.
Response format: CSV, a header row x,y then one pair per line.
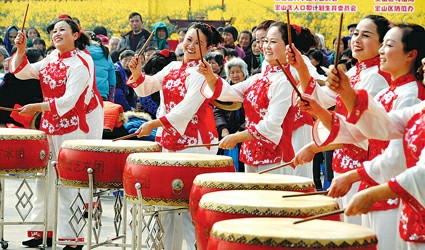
x,y
206,183
106,158
282,234
167,178
232,204
23,151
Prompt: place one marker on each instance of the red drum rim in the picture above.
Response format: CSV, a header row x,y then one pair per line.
x,y
254,181
108,146
315,234
266,203
180,160
21,134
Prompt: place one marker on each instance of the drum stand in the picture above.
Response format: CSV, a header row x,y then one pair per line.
x,y
93,221
146,217
24,206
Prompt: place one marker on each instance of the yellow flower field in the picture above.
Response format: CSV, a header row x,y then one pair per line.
x,y
113,14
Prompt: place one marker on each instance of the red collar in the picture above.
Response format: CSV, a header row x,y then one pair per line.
x,y
367,63
403,80
271,69
68,54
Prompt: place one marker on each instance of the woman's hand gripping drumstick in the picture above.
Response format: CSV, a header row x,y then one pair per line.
x,y
135,64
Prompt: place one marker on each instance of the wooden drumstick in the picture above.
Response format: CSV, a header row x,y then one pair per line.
x,y
288,27
146,43
274,168
291,80
306,194
9,109
202,145
319,216
338,51
25,17
200,49
125,137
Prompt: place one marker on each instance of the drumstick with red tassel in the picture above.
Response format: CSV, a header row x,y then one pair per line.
x,y
319,216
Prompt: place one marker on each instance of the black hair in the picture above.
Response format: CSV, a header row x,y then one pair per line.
x,y
158,62
83,40
382,25
115,55
100,30
133,14
246,32
33,28
33,54
50,48
216,56
318,56
39,40
344,40
213,36
184,30
413,38
353,25
232,52
100,44
265,25
126,53
303,39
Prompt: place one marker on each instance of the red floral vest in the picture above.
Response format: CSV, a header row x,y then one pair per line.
x,y
261,151
53,80
350,157
412,222
377,147
174,90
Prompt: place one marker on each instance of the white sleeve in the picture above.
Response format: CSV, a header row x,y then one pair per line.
x,y
376,123
181,114
27,70
412,181
77,82
152,84
280,101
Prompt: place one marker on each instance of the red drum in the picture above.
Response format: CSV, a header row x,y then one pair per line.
x,y
23,151
167,178
282,234
206,183
232,204
106,158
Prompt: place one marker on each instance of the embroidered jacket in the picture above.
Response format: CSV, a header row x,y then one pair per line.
x,y
64,79
268,115
188,116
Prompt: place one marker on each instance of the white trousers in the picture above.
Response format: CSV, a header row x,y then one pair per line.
x,y
343,202
301,137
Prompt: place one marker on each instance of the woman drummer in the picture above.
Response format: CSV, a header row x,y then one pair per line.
x,y
66,77
269,114
366,75
186,116
400,58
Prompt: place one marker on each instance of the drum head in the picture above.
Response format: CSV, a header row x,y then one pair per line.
x,y
281,232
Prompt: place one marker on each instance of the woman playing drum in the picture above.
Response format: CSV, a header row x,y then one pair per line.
x,y
66,77
186,116
266,99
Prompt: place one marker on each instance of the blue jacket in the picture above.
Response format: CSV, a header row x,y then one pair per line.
x,y
105,72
